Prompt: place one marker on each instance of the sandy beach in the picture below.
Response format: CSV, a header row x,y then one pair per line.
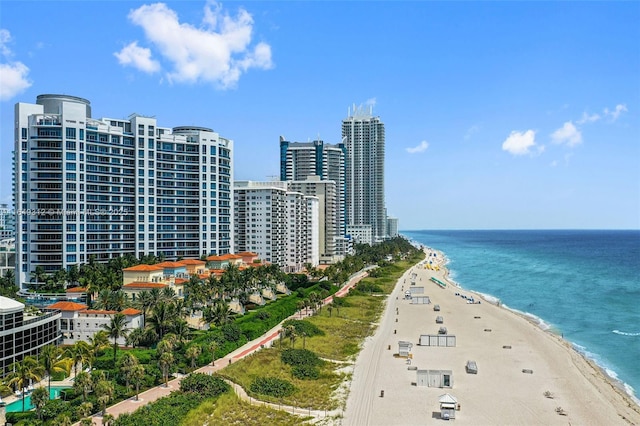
x,y
502,344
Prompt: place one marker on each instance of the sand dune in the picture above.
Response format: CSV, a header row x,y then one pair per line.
x,y
502,343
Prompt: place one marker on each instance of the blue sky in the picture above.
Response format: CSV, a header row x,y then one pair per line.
x,y
498,115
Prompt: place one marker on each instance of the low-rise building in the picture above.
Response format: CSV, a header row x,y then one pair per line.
x,y
23,334
79,323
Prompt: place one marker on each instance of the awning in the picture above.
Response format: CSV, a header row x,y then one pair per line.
x,y
447,405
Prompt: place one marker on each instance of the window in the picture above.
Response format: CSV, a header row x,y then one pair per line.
x,y
81,134
71,133
24,133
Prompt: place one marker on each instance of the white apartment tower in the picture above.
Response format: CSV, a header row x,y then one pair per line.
x,y
275,223
364,140
329,222
107,187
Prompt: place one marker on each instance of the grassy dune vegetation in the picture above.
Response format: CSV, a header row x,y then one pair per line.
x,y
229,410
345,325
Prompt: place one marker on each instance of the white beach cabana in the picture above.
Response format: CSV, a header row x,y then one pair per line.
x,y
404,348
448,405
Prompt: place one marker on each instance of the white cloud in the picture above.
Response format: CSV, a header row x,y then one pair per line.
x,y
568,134
520,143
422,147
613,115
588,118
218,52
472,131
554,163
138,57
13,75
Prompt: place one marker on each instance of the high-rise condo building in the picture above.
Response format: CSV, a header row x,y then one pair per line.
x,y
281,226
107,187
300,160
364,139
327,194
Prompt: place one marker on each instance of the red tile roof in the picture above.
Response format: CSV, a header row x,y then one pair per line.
x,y
76,290
191,262
145,285
181,280
144,268
67,306
247,254
131,311
224,257
170,265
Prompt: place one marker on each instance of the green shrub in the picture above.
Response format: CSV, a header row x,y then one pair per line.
x,y
305,372
272,386
300,357
54,408
302,326
231,332
204,384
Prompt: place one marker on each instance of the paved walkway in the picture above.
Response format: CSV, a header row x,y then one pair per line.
x,y
150,395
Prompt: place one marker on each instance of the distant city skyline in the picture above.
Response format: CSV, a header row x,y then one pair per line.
x,y
520,115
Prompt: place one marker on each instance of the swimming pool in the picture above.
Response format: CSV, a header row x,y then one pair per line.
x,y
16,406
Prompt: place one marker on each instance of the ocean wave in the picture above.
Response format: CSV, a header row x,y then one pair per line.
x,y
489,298
536,319
608,371
622,333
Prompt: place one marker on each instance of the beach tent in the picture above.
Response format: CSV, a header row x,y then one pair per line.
x,y
448,405
447,340
416,290
420,300
439,319
434,378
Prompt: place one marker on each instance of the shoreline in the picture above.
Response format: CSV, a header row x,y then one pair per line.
x,y
562,384
615,382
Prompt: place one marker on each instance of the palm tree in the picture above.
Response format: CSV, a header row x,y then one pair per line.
x,y
213,347
86,421
83,383
219,313
136,337
290,331
146,302
52,362
165,362
116,329
99,342
162,318
85,409
192,353
182,331
24,372
136,375
127,362
62,420
39,398
104,391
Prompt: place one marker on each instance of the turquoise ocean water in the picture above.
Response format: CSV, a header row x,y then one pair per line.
x,y
584,285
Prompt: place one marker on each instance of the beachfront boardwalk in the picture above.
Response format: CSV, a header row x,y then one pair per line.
x,y
150,395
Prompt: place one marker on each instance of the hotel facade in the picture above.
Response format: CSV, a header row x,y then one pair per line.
x,y
108,187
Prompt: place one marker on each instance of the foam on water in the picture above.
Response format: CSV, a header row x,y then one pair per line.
x,y
622,333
